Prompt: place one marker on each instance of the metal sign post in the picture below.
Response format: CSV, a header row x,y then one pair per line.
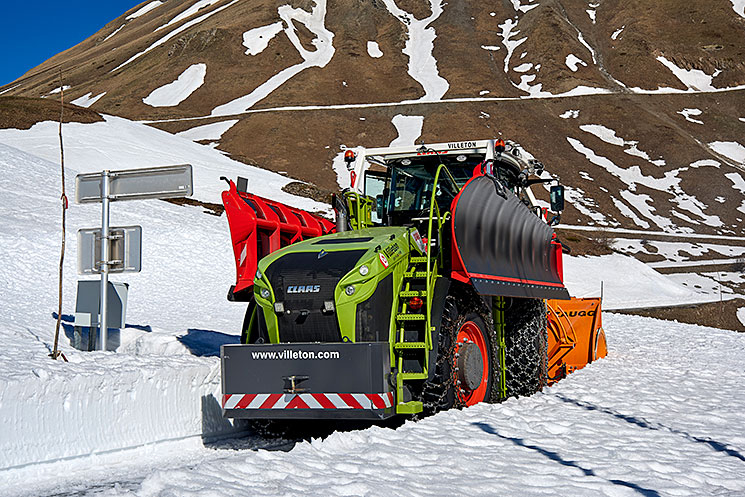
x,y
131,184
104,257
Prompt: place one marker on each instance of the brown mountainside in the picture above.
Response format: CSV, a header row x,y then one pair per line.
x,y
594,89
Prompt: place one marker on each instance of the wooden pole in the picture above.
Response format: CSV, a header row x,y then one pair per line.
x,y
56,353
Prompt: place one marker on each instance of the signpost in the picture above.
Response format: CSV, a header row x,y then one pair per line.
x,y
130,184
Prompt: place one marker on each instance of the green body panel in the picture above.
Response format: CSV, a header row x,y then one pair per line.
x,y
394,243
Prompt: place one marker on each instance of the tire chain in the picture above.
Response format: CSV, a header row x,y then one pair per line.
x,y
436,394
526,341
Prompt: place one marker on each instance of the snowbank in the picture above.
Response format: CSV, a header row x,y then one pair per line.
x,y
626,282
165,382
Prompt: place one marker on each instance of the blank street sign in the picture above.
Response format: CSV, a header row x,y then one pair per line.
x,y
134,184
125,250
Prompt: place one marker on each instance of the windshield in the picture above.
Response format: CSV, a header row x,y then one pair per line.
x,y
412,181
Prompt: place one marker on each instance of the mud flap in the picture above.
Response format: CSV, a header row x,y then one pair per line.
x,y
307,380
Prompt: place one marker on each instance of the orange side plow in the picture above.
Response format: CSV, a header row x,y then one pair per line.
x,y
575,335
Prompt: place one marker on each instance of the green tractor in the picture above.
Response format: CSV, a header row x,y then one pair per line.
x,y
427,292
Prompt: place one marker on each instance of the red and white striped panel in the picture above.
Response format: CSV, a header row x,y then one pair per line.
x,y
307,401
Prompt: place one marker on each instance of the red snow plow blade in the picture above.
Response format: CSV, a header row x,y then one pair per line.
x,y
258,227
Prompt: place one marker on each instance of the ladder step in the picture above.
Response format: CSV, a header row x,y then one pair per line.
x,y
412,293
415,274
418,260
410,345
414,376
410,317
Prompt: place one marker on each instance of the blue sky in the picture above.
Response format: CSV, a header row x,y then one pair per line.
x,y
33,31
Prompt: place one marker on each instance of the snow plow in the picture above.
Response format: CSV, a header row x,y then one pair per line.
x,y
429,291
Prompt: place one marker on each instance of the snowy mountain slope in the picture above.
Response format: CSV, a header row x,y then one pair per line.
x,y
118,143
668,82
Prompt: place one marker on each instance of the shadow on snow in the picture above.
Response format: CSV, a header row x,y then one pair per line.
x,y
556,457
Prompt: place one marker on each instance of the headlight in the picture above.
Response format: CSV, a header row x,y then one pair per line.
x,y
349,290
259,275
364,270
265,293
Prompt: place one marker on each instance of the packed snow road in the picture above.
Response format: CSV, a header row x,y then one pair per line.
x,y
661,416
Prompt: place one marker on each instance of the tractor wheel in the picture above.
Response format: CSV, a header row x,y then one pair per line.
x,y
526,341
467,369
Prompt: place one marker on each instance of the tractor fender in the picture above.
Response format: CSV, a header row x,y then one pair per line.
x,y
442,286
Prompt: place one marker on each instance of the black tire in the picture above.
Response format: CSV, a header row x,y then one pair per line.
x,y
251,332
443,391
526,341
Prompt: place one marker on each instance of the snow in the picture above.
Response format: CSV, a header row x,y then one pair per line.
x,y
201,4
648,419
570,114
731,150
633,176
144,10
88,99
617,33
738,184
11,88
687,113
741,310
676,252
583,277
609,136
694,79
572,61
314,21
419,46
59,89
173,33
517,5
409,128
507,33
212,131
373,50
179,90
739,7
50,408
257,39
491,48
118,143
114,32
523,67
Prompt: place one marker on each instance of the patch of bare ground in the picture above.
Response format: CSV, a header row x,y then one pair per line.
x,y
715,314
584,244
23,112
209,208
308,191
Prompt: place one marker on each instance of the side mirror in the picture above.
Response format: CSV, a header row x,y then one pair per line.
x,y
379,206
557,198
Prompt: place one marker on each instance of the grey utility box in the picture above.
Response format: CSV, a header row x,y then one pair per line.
x,y
87,309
